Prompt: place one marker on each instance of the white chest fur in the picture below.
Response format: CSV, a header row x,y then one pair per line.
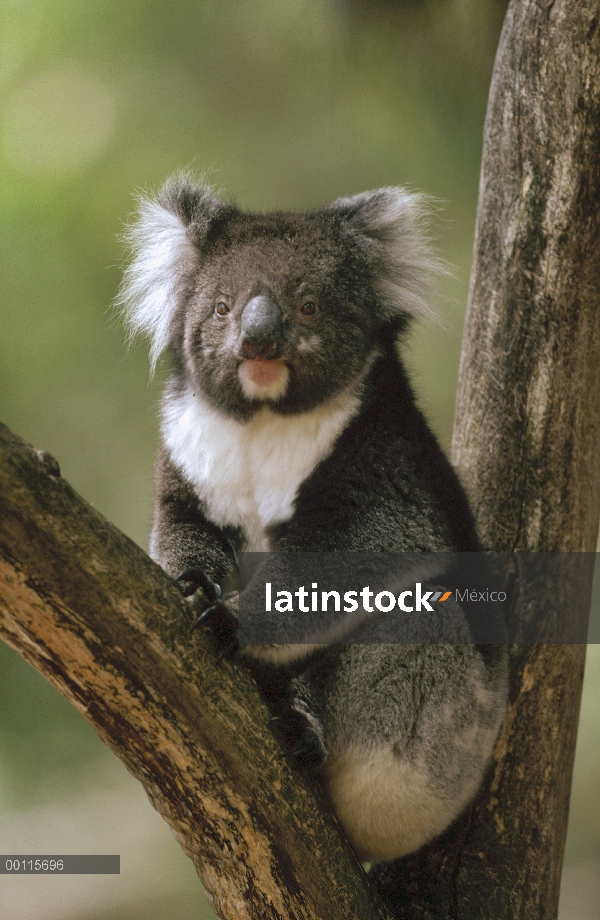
x,y
248,474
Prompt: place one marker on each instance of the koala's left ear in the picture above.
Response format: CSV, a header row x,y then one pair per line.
x,y
391,226
166,242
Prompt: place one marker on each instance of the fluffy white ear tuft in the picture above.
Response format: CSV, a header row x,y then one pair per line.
x,y
164,259
393,223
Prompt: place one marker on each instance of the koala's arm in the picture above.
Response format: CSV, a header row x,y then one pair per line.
x,y
182,538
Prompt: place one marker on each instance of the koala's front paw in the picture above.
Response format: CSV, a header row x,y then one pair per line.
x,y
222,617
192,580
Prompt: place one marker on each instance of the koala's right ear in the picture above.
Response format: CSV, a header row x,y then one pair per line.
x,y
165,242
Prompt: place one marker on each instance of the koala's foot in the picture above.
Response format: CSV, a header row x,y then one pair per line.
x,y
222,618
301,736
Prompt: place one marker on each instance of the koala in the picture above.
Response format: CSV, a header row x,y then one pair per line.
x,y
289,426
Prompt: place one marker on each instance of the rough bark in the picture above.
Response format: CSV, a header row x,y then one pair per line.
x,y
527,426
89,610
526,438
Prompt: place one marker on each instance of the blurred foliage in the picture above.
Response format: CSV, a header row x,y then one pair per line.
x,y
280,104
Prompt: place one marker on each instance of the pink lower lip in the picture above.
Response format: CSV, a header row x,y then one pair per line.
x,y
263,372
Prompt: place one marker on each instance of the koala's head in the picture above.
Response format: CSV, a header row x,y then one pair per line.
x,y
283,309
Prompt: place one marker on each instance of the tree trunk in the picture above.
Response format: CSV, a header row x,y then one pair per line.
x,y
526,445
527,430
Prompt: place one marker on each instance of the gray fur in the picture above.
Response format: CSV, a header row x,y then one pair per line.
x,y
329,454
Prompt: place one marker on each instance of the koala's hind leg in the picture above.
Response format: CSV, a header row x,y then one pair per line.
x,y
409,732
295,720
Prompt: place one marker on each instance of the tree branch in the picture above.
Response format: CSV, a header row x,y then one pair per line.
x,y
89,610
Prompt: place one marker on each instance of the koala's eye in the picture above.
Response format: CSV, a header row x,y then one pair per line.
x,y
308,308
221,308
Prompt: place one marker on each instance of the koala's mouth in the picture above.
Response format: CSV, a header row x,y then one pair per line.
x,y
261,378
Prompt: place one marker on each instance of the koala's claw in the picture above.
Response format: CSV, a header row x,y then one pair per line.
x,y
206,615
307,751
304,746
191,579
224,624
221,615
230,651
300,748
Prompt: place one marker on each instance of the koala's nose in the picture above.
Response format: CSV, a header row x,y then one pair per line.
x,y
261,329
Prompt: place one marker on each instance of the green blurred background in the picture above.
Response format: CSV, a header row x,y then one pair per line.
x,y
280,104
